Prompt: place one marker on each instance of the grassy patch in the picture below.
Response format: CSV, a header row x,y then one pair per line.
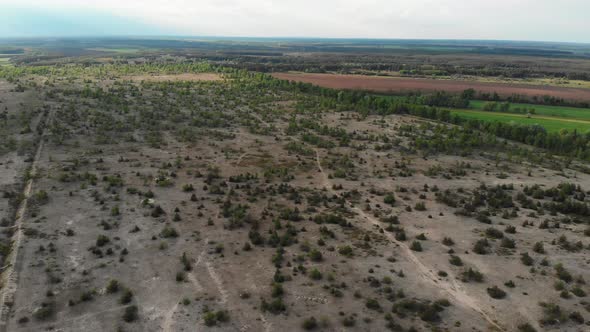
x,y
549,123
543,110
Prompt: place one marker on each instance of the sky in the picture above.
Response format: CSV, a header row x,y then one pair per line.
x,y
538,20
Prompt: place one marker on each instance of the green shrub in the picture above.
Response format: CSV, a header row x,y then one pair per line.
x,y
472,275
345,251
315,255
102,240
130,314
373,304
526,259
126,297
496,293
310,323
112,287
169,232
456,260
389,199
315,274
416,246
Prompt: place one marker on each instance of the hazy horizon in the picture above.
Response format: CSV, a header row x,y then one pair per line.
x,y
503,20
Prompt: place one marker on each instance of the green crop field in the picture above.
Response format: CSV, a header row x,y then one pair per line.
x,y
552,124
544,110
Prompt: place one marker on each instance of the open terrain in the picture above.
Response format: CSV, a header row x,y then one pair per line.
x,y
166,193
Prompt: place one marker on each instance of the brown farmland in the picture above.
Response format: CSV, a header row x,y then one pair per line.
x,y
396,84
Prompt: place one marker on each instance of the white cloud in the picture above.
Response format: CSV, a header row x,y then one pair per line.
x,y
565,20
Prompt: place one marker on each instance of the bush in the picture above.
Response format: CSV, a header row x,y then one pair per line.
x,y
46,311
169,232
315,255
538,248
472,275
579,292
552,314
447,241
222,316
345,251
112,287
157,211
480,247
275,307
102,240
400,236
563,274
456,260
494,233
576,317
126,297
420,206
277,290
526,327
416,246
210,319
130,314
315,274
508,243
389,199
526,259
373,304
348,321
310,323
496,293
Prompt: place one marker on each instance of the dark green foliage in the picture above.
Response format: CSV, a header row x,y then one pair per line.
x,y
373,304
130,314
526,259
46,311
456,260
310,323
496,293
472,275
126,297
275,307
113,286
389,199
480,247
169,232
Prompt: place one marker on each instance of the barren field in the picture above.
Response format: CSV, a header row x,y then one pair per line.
x,y
400,85
235,202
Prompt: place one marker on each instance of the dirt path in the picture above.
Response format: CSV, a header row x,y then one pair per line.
x,y
10,275
452,288
240,158
169,317
218,282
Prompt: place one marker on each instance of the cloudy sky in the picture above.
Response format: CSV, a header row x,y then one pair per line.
x,y
545,20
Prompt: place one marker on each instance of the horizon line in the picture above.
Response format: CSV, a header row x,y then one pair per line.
x,y
227,37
